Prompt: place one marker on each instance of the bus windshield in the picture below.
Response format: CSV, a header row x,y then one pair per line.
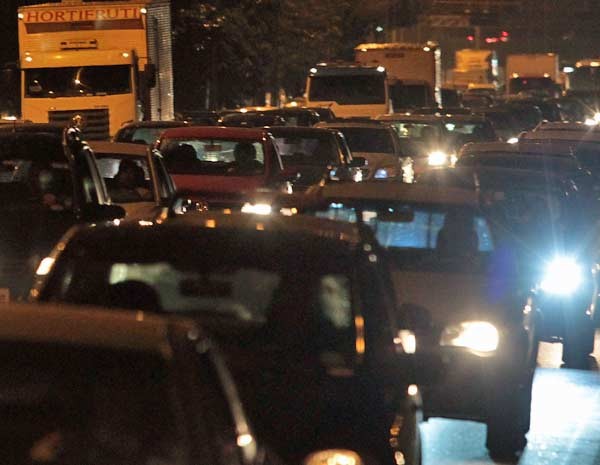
x,y
348,89
78,81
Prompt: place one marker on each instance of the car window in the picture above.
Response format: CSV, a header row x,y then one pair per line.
x,y
410,130
127,179
214,156
303,150
91,406
370,140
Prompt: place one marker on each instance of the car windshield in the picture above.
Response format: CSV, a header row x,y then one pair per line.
x,y
348,89
307,150
369,140
127,179
77,81
418,131
470,132
251,276
424,237
220,157
55,398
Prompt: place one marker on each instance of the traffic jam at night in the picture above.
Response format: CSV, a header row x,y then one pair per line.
x,y
270,232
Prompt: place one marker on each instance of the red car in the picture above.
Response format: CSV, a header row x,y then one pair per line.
x,y
220,164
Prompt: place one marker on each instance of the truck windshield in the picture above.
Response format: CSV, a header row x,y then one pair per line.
x,y
348,90
77,81
544,84
585,78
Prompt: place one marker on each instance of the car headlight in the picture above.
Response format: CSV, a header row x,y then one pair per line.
x,y
257,208
437,158
478,336
45,266
333,457
513,140
381,173
562,276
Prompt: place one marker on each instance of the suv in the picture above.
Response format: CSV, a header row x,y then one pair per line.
x,y
456,278
301,306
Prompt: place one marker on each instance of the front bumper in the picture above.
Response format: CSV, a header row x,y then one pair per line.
x,y
471,384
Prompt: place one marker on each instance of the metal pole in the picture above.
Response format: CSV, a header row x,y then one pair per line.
x,y
157,51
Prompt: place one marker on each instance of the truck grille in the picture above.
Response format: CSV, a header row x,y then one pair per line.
x,y
96,124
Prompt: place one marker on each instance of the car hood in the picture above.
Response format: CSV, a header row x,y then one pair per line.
x,y
452,298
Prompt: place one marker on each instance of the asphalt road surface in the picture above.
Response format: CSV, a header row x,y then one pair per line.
x,y
565,422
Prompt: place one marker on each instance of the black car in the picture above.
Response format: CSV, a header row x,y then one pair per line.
x,y
45,187
92,387
303,308
310,155
547,216
455,275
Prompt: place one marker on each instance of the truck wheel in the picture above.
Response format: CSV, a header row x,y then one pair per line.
x,y
508,423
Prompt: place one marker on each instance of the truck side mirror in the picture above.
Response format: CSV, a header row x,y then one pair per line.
x,y
150,75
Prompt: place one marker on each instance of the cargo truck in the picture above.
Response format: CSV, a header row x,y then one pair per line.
x,y
534,73
474,68
414,71
106,62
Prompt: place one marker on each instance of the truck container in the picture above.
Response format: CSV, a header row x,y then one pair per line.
x,y
107,62
533,73
414,71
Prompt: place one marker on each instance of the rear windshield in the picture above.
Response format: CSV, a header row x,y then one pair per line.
x,y
221,157
306,150
369,140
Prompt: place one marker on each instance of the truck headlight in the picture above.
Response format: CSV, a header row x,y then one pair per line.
x,y
437,158
333,457
478,336
562,276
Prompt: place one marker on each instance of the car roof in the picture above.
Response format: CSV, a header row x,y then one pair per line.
x,y
561,135
85,326
481,147
31,128
518,178
409,117
154,124
309,228
352,124
216,132
121,148
300,131
470,118
396,191
566,126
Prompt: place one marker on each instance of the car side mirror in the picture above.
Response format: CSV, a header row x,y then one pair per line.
x,y
358,162
101,212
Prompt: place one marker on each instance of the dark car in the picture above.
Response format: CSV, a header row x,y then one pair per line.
x,y
251,119
310,155
45,188
451,268
145,132
90,386
222,165
302,307
547,216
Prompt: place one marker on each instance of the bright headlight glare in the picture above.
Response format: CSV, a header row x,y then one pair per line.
x,y
562,276
597,117
437,158
333,457
257,208
513,140
381,173
478,336
45,266
591,122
